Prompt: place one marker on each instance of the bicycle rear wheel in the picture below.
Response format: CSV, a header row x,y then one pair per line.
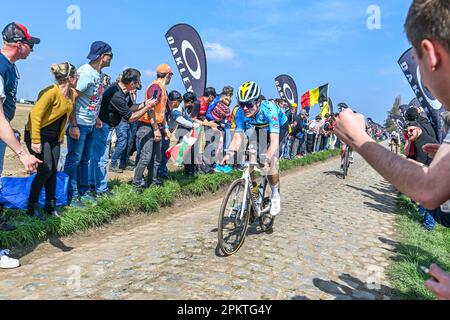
x,y
232,225
346,163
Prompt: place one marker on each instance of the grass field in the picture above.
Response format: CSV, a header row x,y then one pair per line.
x,y
417,247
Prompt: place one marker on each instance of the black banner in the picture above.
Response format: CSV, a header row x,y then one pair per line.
x,y
415,102
426,99
189,54
399,122
331,106
287,88
404,108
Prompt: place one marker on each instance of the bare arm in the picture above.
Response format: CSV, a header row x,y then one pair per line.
x,y
428,186
234,147
7,135
140,112
274,145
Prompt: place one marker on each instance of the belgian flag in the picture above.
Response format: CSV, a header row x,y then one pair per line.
x,y
315,96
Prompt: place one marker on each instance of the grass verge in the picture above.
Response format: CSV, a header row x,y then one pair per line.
x,y
417,247
126,202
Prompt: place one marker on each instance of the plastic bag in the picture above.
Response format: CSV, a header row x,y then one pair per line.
x,y
14,192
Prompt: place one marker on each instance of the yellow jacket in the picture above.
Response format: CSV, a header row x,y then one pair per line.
x,y
50,106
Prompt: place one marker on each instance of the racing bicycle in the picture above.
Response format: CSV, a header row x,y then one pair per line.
x,y
242,206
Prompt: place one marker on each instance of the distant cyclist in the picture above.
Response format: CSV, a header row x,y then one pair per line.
x,y
341,107
271,128
394,141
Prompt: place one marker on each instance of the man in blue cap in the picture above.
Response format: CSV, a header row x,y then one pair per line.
x,y
83,122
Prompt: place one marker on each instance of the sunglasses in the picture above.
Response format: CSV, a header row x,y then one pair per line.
x,y
410,131
29,43
248,105
109,54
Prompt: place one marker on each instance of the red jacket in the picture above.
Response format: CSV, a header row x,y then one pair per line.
x,y
204,105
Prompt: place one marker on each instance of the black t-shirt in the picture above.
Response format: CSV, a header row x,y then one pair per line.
x,y
420,155
426,126
52,131
115,106
195,111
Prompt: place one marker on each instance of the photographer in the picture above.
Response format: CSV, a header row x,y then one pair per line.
x,y
116,105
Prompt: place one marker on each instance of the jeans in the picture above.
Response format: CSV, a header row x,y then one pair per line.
x,y
2,155
98,175
163,171
318,141
227,140
286,151
428,223
298,146
310,142
123,132
150,155
77,161
132,141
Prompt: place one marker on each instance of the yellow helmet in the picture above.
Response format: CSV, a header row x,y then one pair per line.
x,y
249,91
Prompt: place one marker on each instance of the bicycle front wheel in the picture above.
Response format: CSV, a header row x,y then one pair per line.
x,y
233,222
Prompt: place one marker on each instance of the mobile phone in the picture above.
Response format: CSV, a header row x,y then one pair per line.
x,y
427,272
155,94
424,270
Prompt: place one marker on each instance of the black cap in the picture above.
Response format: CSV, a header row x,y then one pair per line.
x,y
97,49
189,97
16,32
175,96
210,92
412,114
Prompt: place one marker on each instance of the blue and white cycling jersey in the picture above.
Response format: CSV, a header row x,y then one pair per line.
x,y
270,117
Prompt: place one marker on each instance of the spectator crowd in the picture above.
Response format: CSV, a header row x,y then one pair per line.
x,y
84,107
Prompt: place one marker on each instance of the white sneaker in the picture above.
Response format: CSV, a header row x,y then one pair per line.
x,y
275,205
7,262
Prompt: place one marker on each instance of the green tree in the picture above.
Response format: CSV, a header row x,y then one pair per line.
x,y
389,124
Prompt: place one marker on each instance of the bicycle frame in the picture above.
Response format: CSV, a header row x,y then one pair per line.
x,y
246,176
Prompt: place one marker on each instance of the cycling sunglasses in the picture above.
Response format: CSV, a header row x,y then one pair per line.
x,y
248,105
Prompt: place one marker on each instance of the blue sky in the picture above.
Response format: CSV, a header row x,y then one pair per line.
x,y
316,42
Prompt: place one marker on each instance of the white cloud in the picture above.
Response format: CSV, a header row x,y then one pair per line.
x,y
217,52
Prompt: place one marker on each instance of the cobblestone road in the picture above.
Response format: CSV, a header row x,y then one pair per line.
x,y
332,240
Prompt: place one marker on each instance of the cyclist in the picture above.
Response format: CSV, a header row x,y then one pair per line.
x,y
395,141
341,107
270,123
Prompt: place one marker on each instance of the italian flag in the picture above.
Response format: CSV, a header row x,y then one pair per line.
x,y
178,152
315,96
